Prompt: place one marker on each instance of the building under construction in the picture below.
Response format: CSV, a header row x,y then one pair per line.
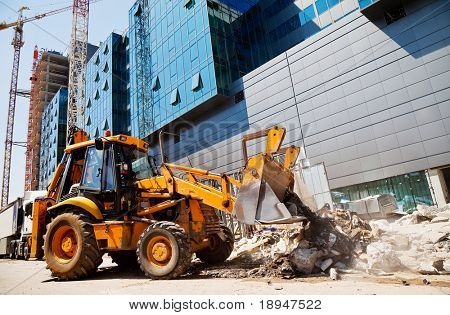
x,y
51,74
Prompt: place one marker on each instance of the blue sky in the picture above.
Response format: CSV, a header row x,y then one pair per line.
x,y
105,16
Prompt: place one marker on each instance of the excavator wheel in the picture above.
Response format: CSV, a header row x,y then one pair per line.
x,y
70,247
164,251
220,249
126,260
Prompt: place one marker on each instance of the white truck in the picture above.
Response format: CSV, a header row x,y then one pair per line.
x,y
16,226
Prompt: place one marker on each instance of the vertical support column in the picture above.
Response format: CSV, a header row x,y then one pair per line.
x,y
438,187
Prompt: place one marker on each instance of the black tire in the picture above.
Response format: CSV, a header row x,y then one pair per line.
x,y
221,249
80,262
26,253
18,255
125,260
12,252
173,237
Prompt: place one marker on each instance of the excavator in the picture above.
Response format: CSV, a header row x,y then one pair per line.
x,y
109,196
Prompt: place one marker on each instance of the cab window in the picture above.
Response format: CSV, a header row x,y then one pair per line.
x,y
93,169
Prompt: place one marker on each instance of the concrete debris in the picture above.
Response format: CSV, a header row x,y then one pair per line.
x,y
327,240
334,275
382,256
420,241
335,242
304,260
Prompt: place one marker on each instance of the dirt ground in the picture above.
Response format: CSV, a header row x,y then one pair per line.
x,y
31,277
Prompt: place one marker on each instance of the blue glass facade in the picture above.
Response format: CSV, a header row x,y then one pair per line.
x,y
107,83
53,136
172,43
171,61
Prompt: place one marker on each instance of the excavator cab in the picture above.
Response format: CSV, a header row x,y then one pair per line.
x,y
105,172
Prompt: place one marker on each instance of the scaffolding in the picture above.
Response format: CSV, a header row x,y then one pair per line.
x,y
51,74
143,62
29,152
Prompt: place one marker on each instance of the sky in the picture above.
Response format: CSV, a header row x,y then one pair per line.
x,y
52,33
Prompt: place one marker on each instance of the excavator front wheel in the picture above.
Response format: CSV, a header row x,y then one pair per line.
x,y
164,251
70,247
220,249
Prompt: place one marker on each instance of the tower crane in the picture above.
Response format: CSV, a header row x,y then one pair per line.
x,y
17,44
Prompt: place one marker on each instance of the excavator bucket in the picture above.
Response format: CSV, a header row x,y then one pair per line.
x,y
266,183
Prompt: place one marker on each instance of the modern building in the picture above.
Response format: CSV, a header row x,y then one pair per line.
x,y
51,74
53,137
362,86
107,83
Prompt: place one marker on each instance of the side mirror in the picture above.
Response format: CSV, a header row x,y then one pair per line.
x,y
99,143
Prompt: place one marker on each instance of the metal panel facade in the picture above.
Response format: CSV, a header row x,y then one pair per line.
x,y
369,100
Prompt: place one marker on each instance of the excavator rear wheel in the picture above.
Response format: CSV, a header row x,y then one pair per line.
x,y
164,251
70,247
220,249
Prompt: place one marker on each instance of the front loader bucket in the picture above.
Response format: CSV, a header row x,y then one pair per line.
x,y
263,189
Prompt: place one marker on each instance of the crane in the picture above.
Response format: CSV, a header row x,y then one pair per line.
x,y
77,64
17,44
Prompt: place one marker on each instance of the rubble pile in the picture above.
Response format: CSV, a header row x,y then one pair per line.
x,y
336,241
324,245
418,242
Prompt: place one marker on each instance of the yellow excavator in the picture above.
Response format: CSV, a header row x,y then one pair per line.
x,y
109,196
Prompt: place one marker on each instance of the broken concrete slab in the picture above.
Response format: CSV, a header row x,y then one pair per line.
x,y
304,260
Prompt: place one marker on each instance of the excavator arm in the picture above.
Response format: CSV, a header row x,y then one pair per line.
x,y
265,183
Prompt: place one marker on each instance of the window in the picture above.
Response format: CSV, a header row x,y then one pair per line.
x,y
105,49
188,3
93,169
307,15
97,60
174,97
239,97
97,95
321,6
106,67
105,125
97,77
137,10
394,14
97,134
88,122
89,103
155,84
105,86
196,82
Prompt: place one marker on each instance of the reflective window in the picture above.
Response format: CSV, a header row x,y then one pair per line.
x,y
93,169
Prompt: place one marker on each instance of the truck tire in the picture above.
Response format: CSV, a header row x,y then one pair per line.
x,y
70,247
164,251
220,249
126,260
26,253
12,251
18,254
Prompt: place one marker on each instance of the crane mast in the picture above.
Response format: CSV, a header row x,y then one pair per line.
x,y
17,43
77,64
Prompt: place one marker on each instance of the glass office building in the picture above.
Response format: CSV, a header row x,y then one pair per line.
x,y
187,53
53,136
107,84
